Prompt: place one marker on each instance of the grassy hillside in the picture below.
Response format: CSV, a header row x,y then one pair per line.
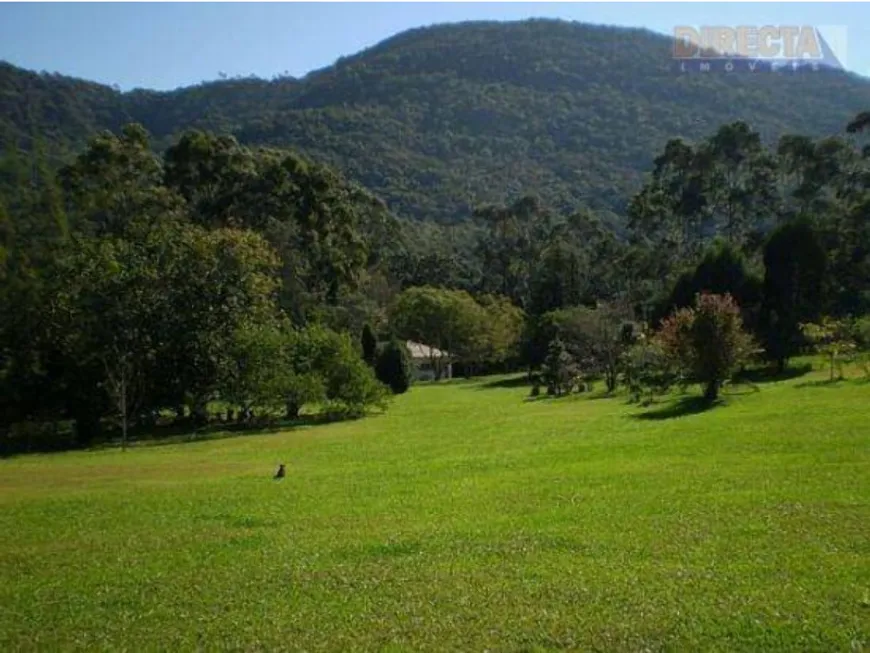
x,y
464,518
437,119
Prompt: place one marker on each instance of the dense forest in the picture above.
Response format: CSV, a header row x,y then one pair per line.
x,y
152,274
438,120
136,285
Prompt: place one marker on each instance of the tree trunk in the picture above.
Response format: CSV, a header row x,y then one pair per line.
x,y
611,380
292,409
200,412
711,391
123,412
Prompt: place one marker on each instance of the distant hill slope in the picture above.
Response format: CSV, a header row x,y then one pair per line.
x,y
438,118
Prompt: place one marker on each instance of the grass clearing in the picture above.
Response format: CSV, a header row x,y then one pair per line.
x,y
465,518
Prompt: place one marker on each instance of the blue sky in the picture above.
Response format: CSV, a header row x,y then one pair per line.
x,y
163,46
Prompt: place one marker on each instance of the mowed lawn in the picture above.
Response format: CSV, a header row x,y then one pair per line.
x,y
465,518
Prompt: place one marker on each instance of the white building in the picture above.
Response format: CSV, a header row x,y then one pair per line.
x,y
428,360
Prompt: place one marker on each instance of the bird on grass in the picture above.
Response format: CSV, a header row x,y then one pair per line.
x,y
280,473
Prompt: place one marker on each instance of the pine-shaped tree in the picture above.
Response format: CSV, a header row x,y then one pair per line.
x,y
559,369
394,367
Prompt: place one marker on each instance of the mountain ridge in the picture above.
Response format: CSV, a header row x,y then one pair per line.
x,y
438,119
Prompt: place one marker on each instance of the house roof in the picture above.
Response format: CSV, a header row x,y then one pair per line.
x,y
419,350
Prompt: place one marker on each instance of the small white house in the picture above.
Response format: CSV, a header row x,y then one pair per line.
x,y
427,360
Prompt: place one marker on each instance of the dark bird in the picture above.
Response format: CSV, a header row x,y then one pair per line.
x,y
280,473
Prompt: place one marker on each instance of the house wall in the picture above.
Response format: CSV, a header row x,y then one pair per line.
x,y
423,370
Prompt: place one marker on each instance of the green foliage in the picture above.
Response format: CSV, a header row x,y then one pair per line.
x,y
594,337
196,251
707,342
861,332
369,343
543,261
559,372
394,367
724,185
166,286
861,335
795,265
351,386
648,369
449,320
502,327
327,369
257,370
157,316
835,339
571,111
722,270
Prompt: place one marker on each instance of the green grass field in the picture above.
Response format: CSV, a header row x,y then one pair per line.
x,y
465,518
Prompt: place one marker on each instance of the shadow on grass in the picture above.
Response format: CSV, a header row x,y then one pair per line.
x,y
589,395
679,408
826,383
771,375
184,433
738,388
504,384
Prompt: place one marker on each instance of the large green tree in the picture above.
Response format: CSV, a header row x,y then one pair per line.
x,y
794,280
707,341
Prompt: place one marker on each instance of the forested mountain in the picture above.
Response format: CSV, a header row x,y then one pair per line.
x,y
438,119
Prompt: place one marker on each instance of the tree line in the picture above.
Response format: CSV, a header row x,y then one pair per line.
x,y
137,285
734,252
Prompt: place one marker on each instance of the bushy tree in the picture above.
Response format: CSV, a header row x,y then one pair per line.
x,y
537,334
449,320
560,371
394,367
351,386
256,372
707,342
327,369
795,262
595,338
835,339
648,369
502,326
723,269
156,315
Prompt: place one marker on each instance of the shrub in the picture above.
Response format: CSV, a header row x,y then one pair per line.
x,y
707,343
29,436
835,339
394,367
327,368
560,371
351,386
647,369
861,333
